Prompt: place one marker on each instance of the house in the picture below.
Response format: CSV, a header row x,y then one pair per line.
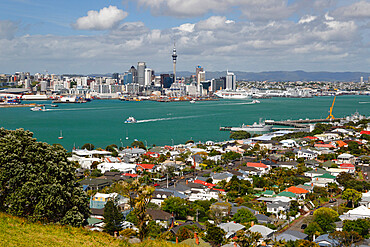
x,y
361,212
259,166
328,136
223,207
291,235
263,219
231,228
100,199
325,240
196,160
159,216
160,195
175,229
276,207
234,210
323,180
348,167
263,230
300,192
305,153
218,177
145,167
311,163
289,143
346,158
365,200
287,164
316,172
288,194
207,194
95,184
122,167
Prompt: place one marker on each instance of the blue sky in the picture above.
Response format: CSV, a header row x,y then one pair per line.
x,y
99,36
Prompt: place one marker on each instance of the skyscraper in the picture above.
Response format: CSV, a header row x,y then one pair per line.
x,y
148,76
174,58
141,73
230,81
133,72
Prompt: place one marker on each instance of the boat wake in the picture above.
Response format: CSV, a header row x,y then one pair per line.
x,y
364,102
163,119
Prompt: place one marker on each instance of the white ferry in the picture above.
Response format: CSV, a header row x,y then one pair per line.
x,y
231,94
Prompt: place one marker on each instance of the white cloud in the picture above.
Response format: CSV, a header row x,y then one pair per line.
x,y
307,19
7,29
360,10
106,18
186,27
214,22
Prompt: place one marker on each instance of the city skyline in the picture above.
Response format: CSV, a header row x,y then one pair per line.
x,y
240,35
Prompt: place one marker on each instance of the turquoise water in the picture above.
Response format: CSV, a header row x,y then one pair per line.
x,y
101,122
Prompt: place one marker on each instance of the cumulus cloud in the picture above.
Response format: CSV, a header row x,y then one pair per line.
x,y
106,18
360,10
7,29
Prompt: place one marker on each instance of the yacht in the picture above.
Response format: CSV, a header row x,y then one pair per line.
x,y
231,94
130,120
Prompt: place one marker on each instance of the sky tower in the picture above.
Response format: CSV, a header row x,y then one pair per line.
x,y
174,57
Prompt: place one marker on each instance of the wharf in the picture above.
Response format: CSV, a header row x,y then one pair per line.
x,y
18,105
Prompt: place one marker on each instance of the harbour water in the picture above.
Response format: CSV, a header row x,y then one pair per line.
x,y
101,122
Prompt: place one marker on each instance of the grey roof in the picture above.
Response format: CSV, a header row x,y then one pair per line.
x,y
297,234
265,231
261,218
286,237
223,175
181,187
197,158
132,151
173,192
230,228
325,238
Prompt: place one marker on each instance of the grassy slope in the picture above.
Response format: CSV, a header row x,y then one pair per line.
x,y
20,232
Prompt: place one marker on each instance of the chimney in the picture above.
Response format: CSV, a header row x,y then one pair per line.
x,y
187,181
235,245
196,238
115,234
252,223
177,240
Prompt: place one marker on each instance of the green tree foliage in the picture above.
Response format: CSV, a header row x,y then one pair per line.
x,y
352,196
243,215
229,156
247,238
38,182
361,226
189,141
112,218
96,173
88,146
176,205
139,198
215,235
154,229
138,144
345,239
113,149
239,135
325,218
313,229
184,233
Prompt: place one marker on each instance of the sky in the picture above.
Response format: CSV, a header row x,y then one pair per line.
x,y
107,36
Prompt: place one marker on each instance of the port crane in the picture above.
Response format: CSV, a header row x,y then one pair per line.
x,y
331,110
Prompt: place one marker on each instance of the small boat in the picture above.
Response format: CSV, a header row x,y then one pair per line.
x,y
256,101
54,105
38,108
61,136
130,120
192,101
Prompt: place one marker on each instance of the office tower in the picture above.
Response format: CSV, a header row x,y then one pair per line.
x,y
128,78
167,80
362,79
230,81
148,76
133,72
115,76
141,73
197,70
174,58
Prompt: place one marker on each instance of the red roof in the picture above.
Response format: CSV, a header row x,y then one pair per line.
x,y
204,183
130,175
296,190
251,164
347,166
146,166
342,144
365,132
311,137
324,146
218,189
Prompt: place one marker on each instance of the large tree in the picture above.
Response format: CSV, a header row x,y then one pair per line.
x,y
352,196
243,215
112,218
38,182
361,226
176,205
325,218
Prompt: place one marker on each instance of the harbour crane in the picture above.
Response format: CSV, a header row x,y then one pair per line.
x,y
331,110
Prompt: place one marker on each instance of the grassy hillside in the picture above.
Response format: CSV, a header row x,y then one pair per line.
x,y
20,232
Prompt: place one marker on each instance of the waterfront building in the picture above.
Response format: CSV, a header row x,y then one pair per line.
x,y
230,81
141,66
148,76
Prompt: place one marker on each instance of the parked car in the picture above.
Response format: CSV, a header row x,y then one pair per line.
x,y
155,185
303,226
332,200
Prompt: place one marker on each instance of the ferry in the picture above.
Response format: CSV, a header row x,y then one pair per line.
x,y
130,120
255,127
231,94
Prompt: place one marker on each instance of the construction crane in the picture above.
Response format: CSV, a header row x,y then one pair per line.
x,y
331,110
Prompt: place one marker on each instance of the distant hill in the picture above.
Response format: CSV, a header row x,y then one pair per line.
x,y
16,231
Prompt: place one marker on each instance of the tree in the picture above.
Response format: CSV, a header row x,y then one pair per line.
x,y
247,238
243,215
361,226
215,235
112,218
176,205
343,178
154,229
325,218
38,182
345,238
352,196
88,146
139,199
184,233
96,173
241,134
231,156
313,229
138,144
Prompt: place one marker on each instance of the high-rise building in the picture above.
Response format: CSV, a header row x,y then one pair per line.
x,y
148,76
230,81
128,78
167,80
141,66
133,72
218,84
197,70
174,58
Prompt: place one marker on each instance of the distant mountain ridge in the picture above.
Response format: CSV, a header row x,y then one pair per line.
x,y
298,75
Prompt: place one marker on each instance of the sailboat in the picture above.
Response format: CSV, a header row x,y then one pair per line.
x,y
61,136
